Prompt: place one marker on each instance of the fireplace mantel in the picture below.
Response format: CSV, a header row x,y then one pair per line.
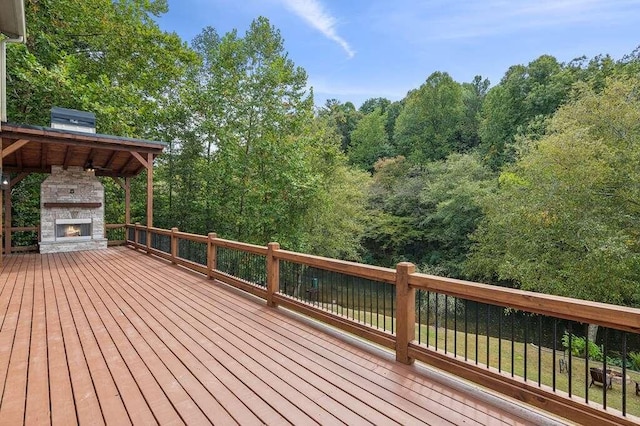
x,y
73,205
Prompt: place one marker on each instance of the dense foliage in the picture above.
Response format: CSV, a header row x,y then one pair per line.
x,y
530,183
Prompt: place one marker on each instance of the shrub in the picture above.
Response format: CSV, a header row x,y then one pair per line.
x,y
634,358
578,345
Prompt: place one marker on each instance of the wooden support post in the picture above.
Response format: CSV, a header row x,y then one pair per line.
x,y
148,238
7,220
174,245
150,189
127,200
1,233
211,254
405,312
273,273
136,236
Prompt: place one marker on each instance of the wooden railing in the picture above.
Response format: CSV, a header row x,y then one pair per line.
x,y
115,234
33,243
343,294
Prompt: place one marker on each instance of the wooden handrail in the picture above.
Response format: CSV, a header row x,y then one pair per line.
x,y
375,273
612,316
23,228
191,237
249,248
114,225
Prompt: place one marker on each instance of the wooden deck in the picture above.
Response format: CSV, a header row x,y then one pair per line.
x,y
118,337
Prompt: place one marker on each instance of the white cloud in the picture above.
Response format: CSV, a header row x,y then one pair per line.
x,y
313,12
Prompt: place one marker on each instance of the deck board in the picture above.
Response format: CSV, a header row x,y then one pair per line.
x,y
118,337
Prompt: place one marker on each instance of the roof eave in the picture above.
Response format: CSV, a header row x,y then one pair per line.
x,y
13,24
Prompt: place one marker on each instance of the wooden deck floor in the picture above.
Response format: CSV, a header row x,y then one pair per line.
x,y
118,337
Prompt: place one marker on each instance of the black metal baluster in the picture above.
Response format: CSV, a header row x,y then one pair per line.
x,y
419,294
553,355
446,321
570,384
357,298
513,344
605,373
477,327
488,332
539,350
393,292
377,306
526,340
384,306
466,329
370,303
437,318
455,327
624,374
428,317
348,287
500,340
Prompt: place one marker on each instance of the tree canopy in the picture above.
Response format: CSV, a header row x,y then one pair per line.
x,y
531,183
565,218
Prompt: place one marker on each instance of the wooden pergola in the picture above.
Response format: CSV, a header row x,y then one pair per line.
x,y
28,149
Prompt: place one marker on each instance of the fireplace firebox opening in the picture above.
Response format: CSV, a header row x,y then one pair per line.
x,y
73,229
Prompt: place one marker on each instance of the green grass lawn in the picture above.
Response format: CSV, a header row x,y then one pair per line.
x,y
500,357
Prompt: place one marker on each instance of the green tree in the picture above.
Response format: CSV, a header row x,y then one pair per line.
x,y
565,219
369,141
425,214
344,117
524,93
428,128
473,95
372,104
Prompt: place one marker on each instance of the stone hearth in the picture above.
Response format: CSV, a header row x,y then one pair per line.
x,y
71,211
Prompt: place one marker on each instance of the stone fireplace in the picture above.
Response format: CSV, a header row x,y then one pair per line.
x,y
71,211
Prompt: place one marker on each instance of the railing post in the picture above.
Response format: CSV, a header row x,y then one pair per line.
x,y
174,245
405,312
211,254
273,273
148,239
136,236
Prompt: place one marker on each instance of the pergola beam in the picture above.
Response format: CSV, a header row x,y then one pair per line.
x,y
14,147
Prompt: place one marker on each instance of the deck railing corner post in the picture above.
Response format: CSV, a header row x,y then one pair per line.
x,y
273,273
211,254
405,312
174,245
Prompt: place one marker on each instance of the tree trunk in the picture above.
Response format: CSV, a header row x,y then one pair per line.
x,y
592,332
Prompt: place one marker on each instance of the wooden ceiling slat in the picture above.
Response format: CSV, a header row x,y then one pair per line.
x,y
109,162
43,157
19,158
127,164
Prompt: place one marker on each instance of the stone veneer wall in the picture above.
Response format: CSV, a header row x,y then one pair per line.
x,y
74,185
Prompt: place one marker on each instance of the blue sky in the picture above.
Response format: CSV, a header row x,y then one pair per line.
x,y
353,50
